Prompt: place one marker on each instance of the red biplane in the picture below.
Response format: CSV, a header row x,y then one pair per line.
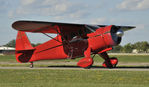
x,y
72,41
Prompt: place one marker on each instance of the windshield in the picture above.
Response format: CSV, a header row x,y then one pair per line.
x,y
91,28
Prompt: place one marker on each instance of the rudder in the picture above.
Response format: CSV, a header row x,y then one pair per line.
x,y
22,42
24,49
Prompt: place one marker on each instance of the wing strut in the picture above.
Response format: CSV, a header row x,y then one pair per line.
x,y
66,42
51,37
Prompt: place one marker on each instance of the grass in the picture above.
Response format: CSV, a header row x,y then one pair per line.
x,y
133,58
121,58
72,78
9,60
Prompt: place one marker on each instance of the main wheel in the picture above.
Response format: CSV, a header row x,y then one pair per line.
x,y
113,61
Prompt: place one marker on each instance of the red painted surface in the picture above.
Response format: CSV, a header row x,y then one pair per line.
x,y
64,46
98,41
24,50
85,62
101,42
22,42
72,41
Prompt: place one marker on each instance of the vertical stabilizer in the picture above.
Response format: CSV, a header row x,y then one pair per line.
x,y
24,49
22,42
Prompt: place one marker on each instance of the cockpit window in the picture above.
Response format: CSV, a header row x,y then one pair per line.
x,y
91,28
79,32
75,34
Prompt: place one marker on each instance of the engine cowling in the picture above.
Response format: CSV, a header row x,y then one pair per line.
x,y
116,34
105,37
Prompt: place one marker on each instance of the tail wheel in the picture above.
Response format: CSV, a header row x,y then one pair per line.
x,y
113,60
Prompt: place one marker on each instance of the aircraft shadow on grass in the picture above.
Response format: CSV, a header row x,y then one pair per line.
x,y
100,67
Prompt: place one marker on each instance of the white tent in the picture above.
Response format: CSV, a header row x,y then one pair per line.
x,y
6,50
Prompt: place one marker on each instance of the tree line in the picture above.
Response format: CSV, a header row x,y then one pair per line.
x,y
140,47
12,43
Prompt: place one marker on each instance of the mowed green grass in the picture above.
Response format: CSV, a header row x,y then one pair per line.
x,y
121,58
9,60
72,78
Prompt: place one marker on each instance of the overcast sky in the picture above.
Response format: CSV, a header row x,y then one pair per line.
x,y
111,12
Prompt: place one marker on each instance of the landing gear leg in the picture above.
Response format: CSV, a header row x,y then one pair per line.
x,y
105,56
31,65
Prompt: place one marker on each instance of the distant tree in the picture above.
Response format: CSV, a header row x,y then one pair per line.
x,y
144,46
128,48
11,43
38,44
34,45
117,49
137,46
141,46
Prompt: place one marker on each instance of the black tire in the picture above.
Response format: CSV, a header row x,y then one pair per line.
x,y
88,67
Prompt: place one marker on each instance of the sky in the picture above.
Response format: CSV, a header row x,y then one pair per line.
x,y
107,12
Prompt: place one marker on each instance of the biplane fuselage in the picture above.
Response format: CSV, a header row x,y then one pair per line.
x,y
81,41
98,41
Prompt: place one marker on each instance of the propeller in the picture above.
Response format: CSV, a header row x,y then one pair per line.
x,y
116,33
119,33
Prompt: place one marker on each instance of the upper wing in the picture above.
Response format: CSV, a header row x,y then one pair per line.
x,y
124,28
45,27
54,27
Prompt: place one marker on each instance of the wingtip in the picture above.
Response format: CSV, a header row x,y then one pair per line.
x,y
133,27
14,24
